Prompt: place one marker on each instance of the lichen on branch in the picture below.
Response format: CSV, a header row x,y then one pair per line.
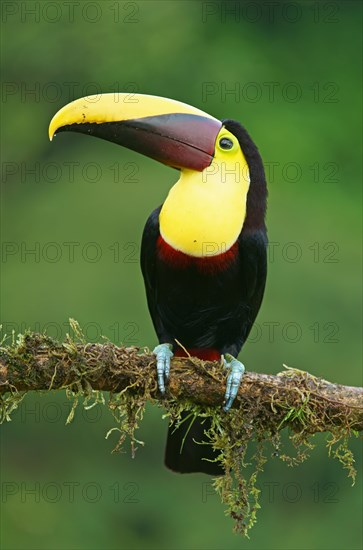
x,y
265,405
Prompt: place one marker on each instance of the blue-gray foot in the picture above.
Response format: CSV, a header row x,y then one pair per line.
x,y
234,379
163,354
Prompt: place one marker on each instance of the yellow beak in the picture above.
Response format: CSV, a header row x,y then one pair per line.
x,y
169,131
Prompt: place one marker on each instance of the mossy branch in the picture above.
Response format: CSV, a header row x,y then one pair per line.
x,y
36,362
264,406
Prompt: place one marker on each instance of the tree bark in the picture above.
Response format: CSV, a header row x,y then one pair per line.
x,y
38,363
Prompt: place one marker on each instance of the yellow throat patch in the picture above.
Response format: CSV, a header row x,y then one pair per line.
x,y
204,212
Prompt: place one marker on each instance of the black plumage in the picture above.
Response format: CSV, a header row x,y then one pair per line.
x,y
204,309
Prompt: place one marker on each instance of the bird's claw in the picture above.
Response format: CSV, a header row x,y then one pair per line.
x,y
234,379
163,354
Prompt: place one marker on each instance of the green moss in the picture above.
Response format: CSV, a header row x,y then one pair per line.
x,y
338,448
242,437
9,402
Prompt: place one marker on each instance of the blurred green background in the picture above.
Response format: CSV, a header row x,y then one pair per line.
x,y
72,216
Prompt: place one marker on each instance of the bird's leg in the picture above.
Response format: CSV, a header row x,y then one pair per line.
x,y
234,379
163,354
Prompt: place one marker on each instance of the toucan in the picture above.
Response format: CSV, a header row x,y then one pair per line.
x,y
203,251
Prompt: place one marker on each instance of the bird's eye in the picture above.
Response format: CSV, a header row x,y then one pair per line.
x,y
225,143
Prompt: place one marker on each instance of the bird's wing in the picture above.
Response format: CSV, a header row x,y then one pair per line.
x,y
148,267
253,254
253,271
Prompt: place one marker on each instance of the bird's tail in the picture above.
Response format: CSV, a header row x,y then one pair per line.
x,y
187,448
185,453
